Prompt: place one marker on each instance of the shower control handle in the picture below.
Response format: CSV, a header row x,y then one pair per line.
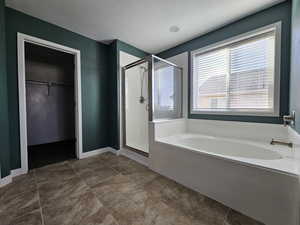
x,y
289,119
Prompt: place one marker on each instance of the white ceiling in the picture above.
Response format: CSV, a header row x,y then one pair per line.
x,y
142,23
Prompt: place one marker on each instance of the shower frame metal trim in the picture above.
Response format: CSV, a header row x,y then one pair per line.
x,y
150,60
139,62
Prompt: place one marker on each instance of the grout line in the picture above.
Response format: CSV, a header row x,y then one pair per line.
x,y
226,216
83,180
91,190
71,166
13,184
76,173
166,185
23,214
38,192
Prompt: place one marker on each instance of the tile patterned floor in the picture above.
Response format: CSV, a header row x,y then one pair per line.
x,y
107,190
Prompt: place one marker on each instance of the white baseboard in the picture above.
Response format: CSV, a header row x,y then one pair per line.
x,y
130,154
95,152
13,173
134,156
5,180
17,172
114,151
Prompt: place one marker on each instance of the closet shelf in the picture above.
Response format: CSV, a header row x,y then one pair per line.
x,y
50,83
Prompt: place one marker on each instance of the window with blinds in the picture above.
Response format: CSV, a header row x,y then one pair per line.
x,y
236,77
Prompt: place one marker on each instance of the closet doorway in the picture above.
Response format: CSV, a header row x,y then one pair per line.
x,y
49,100
50,105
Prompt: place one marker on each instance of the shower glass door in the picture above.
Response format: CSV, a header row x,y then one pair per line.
x,y
152,91
135,97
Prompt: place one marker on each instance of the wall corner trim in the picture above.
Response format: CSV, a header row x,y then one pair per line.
x,y
95,152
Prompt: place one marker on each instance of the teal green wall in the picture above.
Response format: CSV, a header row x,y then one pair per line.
x,y
4,131
295,63
113,96
115,47
94,75
280,12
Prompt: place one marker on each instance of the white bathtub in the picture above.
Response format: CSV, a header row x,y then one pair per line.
x,y
253,177
223,147
255,154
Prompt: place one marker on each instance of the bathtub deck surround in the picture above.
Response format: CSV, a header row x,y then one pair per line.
x,y
108,190
294,137
236,156
244,143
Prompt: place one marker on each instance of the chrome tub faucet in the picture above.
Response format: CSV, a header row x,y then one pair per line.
x,y
275,142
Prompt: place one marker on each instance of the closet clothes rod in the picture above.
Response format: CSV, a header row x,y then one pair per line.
x,y
50,83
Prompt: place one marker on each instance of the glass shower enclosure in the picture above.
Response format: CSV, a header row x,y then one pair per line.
x,y
151,91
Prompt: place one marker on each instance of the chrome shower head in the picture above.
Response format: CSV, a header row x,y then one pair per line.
x,y
143,68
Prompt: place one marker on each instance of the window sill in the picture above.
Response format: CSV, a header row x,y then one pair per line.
x,y
236,113
240,118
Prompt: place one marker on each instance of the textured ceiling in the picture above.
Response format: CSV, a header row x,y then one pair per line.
x,y
144,24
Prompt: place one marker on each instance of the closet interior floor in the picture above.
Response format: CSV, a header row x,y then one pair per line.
x,y
46,154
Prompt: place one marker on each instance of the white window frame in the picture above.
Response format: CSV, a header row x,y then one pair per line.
x,y
276,93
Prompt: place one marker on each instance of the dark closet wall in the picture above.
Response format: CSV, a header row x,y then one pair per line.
x,y
49,95
4,131
94,79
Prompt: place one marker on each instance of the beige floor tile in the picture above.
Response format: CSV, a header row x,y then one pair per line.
x,y
209,212
128,167
114,190
54,193
88,163
93,176
85,210
19,185
200,209
18,205
150,212
112,160
54,173
108,190
32,218
236,218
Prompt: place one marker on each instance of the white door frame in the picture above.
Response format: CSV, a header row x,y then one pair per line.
x,y
22,38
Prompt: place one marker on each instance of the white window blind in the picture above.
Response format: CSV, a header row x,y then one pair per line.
x,y
238,77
